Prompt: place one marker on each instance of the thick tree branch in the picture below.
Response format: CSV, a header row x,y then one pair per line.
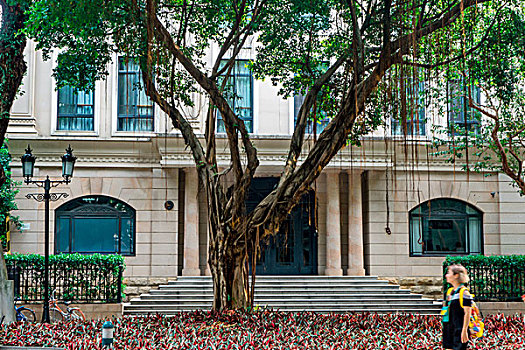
x,y
335,134
444,21
12,62
231,121
233,125
177,118
234,37
460,56
500,149
297,140
275,208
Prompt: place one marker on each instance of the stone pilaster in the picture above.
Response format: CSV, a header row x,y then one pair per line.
x,y
333,225
207,270
191,224
355,225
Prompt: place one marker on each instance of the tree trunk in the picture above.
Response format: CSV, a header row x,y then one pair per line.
x,y
12,70
6,293
228,269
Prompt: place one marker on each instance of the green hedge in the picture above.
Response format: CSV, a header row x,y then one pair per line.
x,y
492,278
76,277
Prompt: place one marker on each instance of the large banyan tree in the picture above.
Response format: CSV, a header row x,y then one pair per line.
x,y
13,14
353,60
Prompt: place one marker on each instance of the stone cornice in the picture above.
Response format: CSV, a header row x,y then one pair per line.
x,y
170,151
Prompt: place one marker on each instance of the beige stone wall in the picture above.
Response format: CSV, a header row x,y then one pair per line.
x,y
388,255
321,223
506,308
429,287
145,190
135,286
512,218
203,233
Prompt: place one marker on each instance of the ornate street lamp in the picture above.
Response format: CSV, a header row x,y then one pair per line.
x,y
28,165
68,164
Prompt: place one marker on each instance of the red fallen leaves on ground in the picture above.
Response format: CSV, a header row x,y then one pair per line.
x,y
264,330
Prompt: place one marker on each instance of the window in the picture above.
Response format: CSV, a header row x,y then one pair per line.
x,y
313,126
445,226
95,224
415,101
239,93
135,109
75,109
318,119
458,102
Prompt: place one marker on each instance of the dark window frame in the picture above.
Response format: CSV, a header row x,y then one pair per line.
x,y
63,212
135,114
415,126
233,76
459,95
320,125
75,115
479,214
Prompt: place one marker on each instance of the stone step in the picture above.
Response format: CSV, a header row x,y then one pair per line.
x,y
335,296
326,305
280,292
298,277
287,279
354,286
289,293
269,302
284,282
291,308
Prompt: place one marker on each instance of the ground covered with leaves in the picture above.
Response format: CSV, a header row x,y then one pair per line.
x,y
264,330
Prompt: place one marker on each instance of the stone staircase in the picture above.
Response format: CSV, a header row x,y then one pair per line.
x,y
289,293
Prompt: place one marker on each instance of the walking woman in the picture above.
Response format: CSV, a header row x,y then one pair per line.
x,y
456,318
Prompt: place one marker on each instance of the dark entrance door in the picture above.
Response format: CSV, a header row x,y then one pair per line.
x,y
293,250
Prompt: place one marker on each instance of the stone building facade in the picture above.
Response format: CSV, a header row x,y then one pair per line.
x,y
366,213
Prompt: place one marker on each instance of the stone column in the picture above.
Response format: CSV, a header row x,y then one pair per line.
x,y
191,224
333,225
355,225
207,270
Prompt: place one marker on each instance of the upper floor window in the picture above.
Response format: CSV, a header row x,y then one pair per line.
x,y
95,224
135,108
75,109
238,93
458,105
318,118
415,111
445,226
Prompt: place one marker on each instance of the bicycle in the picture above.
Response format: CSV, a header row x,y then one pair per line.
x,y
24,314
56,314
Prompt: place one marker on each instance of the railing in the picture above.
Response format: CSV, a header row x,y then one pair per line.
x,y
80,283
489,282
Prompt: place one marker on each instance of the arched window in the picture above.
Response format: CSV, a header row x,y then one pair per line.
x,y
95,224
445,226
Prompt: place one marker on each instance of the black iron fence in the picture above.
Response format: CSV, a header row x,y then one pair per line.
x,y
492,278
80,283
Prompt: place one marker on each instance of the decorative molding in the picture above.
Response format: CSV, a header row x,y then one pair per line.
x,y
101,159
339,161
21,125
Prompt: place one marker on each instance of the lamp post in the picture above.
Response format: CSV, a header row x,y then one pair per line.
x,y
28,165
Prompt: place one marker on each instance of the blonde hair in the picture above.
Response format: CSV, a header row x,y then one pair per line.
x,y
460,270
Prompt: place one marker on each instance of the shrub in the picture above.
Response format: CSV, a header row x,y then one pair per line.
x,y
76,277
494,278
